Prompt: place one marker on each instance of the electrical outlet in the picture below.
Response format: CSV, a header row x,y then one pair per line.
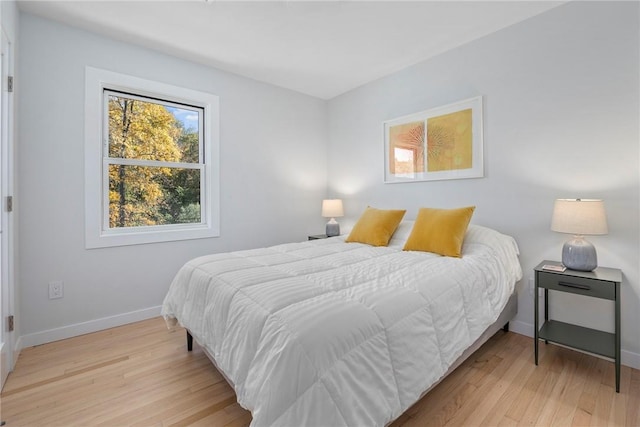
x,y
56,289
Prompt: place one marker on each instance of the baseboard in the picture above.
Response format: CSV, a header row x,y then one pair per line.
x,y
96,325
521,328
627,358
630,359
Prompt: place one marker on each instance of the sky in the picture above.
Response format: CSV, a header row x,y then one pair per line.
x,y
189,118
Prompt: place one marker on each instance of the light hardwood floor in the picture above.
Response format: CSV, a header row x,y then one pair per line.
x,y
141,374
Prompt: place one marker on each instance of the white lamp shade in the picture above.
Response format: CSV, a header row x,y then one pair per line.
x,y
579,217
332,208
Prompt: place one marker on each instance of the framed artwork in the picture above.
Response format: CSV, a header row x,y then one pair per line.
x,y
440,143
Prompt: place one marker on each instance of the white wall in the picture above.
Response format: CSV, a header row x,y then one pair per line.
x,y
561,120
273,177
561,115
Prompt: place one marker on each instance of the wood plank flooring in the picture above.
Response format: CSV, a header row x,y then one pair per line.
x,y
142,375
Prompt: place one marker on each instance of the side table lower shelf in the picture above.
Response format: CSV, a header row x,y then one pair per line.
x,y
579,337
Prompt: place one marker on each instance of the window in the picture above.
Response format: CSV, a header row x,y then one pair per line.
x,y
152,160
151,164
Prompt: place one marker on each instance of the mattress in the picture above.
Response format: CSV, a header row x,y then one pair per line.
x,y
334,334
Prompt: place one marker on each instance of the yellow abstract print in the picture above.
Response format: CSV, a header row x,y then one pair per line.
x,y
450,141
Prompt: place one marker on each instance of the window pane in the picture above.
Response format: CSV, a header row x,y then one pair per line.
x,y
148,130
147,195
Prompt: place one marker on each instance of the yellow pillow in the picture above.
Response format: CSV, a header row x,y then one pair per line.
x,y
440,231
375,227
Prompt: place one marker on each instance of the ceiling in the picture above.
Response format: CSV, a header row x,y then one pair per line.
x,y
320,48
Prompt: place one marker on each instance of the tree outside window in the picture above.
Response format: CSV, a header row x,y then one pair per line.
x,y
154,160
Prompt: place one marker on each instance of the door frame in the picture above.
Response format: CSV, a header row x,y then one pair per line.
x,y
7,286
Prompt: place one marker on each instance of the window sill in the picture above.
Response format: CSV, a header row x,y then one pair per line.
x,y
126,238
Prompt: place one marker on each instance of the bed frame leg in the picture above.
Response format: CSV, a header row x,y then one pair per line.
x,y
506,327
189,342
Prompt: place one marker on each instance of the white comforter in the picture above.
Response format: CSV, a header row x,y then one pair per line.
x,y
332,333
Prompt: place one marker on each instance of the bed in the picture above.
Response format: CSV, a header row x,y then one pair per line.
x,y
331,333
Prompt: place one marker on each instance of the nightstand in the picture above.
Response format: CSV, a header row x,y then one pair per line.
x,y
601,283
318,236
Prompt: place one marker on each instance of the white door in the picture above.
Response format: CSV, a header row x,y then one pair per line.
x,y
6,235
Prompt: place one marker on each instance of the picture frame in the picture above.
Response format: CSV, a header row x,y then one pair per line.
x,y
440,143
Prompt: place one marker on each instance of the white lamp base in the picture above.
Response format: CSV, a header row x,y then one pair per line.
x,y
333,228
579,254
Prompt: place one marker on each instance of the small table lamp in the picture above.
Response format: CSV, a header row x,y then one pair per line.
x,y
332,208
579,217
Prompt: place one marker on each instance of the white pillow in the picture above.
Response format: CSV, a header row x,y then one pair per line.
x,y
401,234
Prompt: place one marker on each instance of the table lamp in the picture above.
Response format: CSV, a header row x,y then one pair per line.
x,y
332,208
579,217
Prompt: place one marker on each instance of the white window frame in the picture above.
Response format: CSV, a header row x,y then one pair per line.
x,y
98,234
